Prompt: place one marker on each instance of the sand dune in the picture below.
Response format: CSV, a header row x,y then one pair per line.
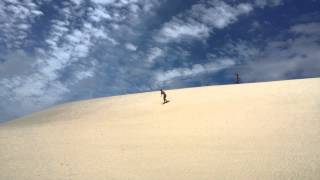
x,y
243,132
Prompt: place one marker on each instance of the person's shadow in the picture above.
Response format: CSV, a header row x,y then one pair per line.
x,y
167,101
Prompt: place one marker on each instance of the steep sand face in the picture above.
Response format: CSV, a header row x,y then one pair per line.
x,y
250,131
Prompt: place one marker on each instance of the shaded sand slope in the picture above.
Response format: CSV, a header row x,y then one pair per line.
x,y
243,132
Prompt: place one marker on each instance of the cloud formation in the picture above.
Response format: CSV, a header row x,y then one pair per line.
x,y
16,19
265,3
154,53
131,47
283,59
67,47
196,69
201,20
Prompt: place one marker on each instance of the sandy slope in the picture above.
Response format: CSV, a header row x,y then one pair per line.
x,y
243,132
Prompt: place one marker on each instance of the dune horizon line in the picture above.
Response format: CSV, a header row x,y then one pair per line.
x,y
265,130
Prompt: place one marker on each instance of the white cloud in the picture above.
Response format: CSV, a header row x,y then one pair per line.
x,y
103,1
154,53
134,8
42,87
296,57
113,41
77,2
197,69
16,18
219,14
42,81
177,30
37,12
77,46
131,47
264,3
83,74
200,20
307,28
99,13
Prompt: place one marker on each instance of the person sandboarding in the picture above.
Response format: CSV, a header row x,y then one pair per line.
x,y
164,96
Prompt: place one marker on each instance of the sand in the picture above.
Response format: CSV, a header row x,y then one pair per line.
x,y
243,132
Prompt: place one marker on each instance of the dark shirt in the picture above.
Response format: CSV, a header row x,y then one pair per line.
x,y
163,93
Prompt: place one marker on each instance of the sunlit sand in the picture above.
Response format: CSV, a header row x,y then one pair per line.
x,y
253,131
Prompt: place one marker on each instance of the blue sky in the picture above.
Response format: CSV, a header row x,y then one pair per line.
x,y
55,51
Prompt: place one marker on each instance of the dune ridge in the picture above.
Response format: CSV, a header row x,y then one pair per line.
x,y
248,131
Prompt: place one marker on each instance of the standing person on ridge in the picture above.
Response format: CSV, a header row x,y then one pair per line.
x,y
237,78
164,96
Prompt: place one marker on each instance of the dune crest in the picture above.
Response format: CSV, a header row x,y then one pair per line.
x,y
248,131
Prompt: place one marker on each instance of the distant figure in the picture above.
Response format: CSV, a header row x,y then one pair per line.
x,y
237,78
164,96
